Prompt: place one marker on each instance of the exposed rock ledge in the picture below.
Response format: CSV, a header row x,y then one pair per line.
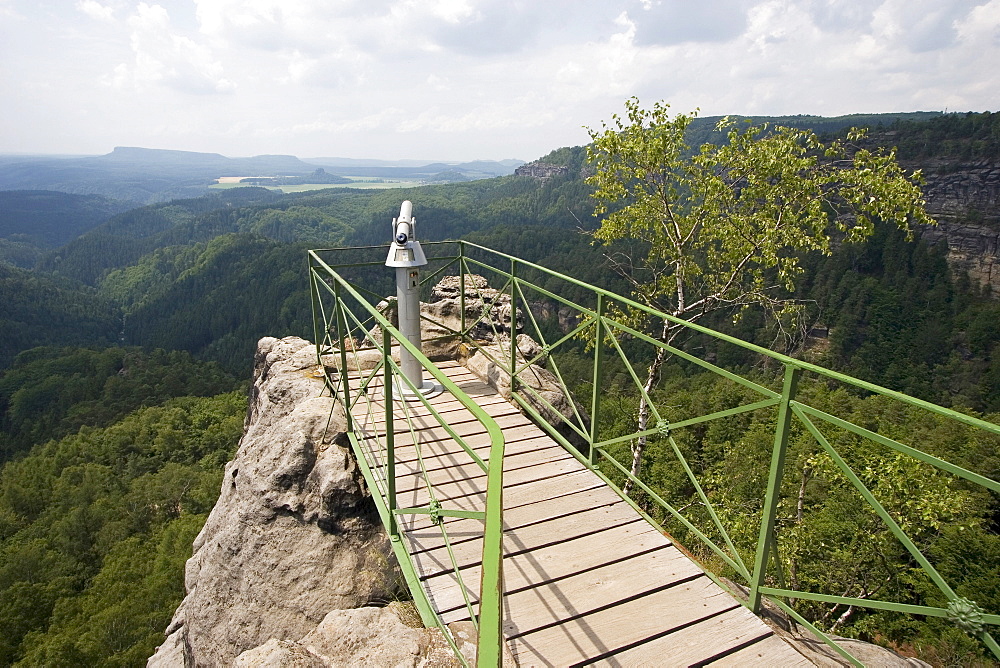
x,y
293,563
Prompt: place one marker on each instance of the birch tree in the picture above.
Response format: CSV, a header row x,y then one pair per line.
x,y
724,227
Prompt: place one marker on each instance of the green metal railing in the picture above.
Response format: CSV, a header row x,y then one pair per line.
x,y
355,350
597,317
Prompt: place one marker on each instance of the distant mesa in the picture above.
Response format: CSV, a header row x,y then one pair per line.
x,y
541,170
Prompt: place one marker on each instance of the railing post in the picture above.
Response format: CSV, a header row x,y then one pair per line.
x,y
342,338
598,376
513,325
792,375
390,439
461,287
490,651
314,303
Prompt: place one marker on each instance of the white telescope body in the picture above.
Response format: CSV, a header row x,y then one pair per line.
x,y
407,257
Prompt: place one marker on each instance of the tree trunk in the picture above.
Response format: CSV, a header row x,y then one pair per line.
x,y
639,445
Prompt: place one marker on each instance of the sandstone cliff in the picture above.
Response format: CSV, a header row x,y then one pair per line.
x,y
964,197
293,557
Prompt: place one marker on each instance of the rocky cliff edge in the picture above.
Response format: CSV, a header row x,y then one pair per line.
x,y
293,567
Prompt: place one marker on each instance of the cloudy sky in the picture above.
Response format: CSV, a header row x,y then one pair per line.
x,y
463,79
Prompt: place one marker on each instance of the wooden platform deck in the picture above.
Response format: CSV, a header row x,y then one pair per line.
x,y
587,581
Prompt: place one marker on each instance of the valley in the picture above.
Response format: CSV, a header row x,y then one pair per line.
x,y
135,287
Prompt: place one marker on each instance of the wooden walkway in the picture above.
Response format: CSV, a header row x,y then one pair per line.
x,y
587,581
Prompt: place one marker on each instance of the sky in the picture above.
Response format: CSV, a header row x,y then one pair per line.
x,y
463,79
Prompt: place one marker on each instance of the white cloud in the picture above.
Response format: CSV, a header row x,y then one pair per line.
x,y
470,78
162,57
96,10
450,11
981,26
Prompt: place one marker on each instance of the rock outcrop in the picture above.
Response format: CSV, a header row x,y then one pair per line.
x,y
361,637
541,170
294,540
492,322
488,315
964,198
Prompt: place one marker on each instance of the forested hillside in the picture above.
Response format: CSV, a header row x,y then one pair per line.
x,y
40,309
124,341
32,221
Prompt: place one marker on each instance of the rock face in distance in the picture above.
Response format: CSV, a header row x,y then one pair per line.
x,y
294,534
964,197
541,170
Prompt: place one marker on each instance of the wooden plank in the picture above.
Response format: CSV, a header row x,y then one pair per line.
x,y
533,536
429,536
771,651
513,452
517,516
467,381
429,433
516,440
452,410
474,487
554,562
596,617
552,492
455,452
610,585
408,474
459,466
702,641
519,494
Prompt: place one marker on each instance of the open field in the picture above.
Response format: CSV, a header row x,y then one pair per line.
x,y
361,182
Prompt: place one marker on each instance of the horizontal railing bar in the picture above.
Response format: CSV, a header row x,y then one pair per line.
x,y
901,448
691,358
443,512
907,608
547,293
784,359
764,403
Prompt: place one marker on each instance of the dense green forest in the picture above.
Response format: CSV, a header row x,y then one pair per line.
x,y
95,528
50,392
42,309
953,136
123,346
32,221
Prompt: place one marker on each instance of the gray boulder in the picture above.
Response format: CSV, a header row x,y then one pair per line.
x,y
388,636
294,533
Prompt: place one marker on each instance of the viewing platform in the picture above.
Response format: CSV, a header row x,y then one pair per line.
x,y
503,490
586,579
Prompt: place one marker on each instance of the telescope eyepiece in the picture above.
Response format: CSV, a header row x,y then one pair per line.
x,y
401,238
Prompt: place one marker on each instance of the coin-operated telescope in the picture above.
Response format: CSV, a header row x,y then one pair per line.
x,y
407,257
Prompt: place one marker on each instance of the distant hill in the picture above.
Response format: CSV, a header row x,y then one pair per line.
x,y
702,130
148,176
416,170
32,221
141,175
210,165
51,219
